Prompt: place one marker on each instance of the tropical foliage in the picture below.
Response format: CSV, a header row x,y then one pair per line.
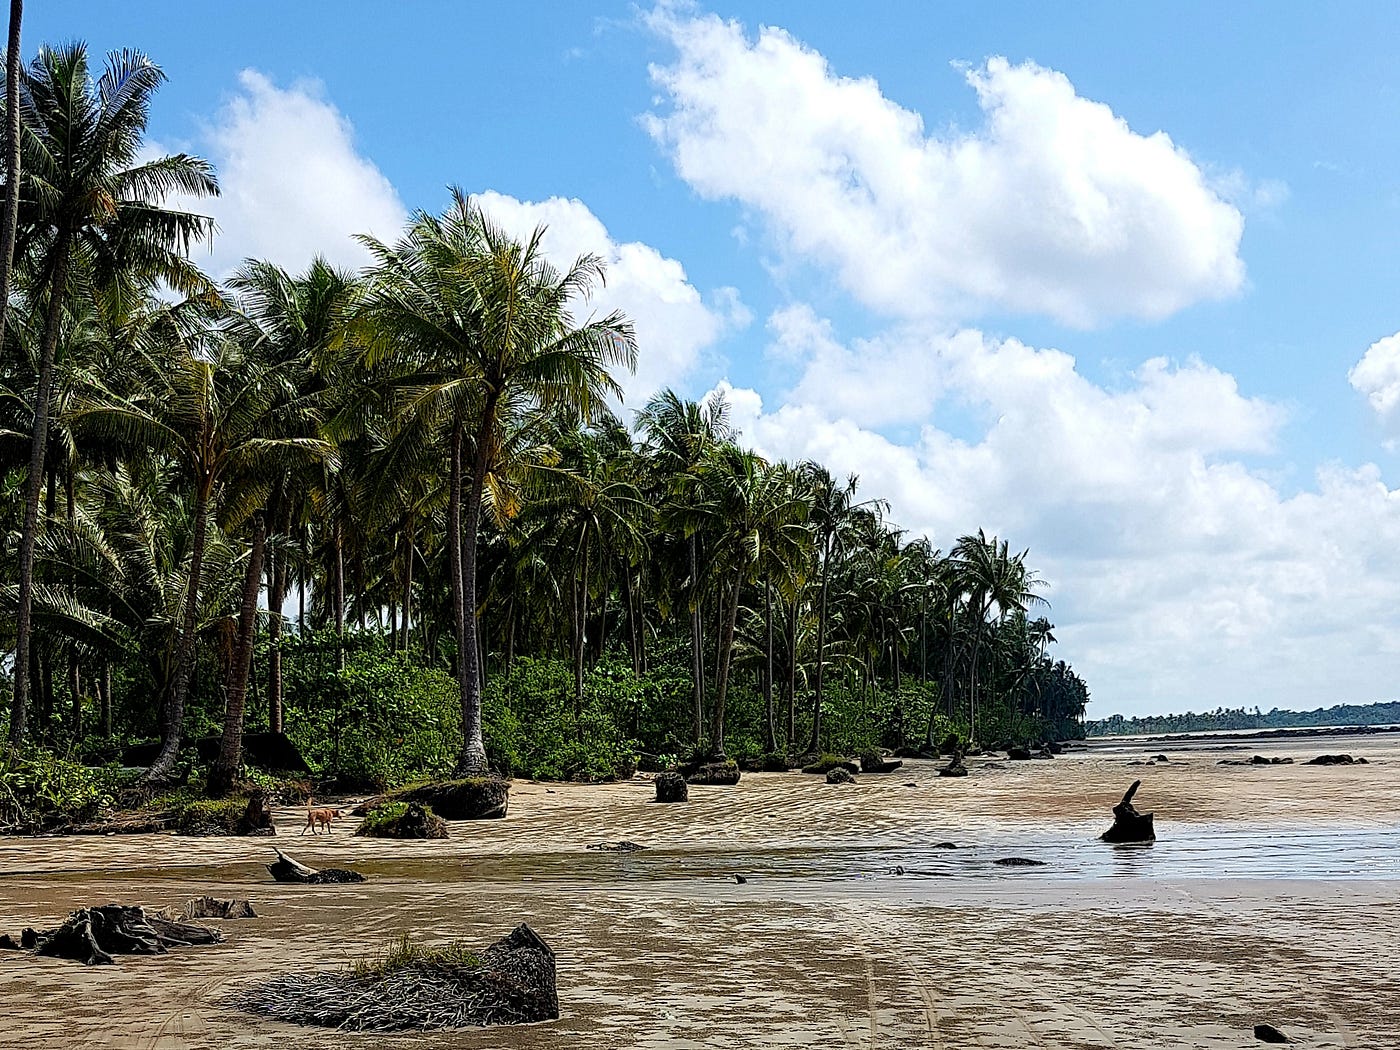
x,y
401,515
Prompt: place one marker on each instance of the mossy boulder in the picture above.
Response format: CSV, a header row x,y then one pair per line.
x,y
671,787
824,764
236,815
403,820
839,775
725,773
875,762
471,798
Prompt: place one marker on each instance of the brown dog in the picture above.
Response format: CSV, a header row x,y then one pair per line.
x,y
318,818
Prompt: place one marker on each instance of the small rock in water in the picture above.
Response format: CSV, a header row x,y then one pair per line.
x,y
911,784
944,845
740,879
1019,862
1267,1033
617,847
898,869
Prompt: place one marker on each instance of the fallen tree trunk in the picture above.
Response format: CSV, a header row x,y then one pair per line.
x,y
285,869
93,935
1128,824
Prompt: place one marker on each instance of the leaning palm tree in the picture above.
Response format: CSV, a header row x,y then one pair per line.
x,y
93,209
481,329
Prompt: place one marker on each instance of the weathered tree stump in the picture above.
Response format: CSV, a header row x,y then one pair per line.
x,y
93,935
209,908
954,768
1128,824
471,798
511,982
840,776
671,787
285,869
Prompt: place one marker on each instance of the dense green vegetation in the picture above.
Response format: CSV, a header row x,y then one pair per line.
x,y
396,516
1383,714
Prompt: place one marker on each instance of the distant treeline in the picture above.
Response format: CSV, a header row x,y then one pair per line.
x,y
1241,718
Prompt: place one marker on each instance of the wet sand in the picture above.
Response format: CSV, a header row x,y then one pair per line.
x,y
1272,895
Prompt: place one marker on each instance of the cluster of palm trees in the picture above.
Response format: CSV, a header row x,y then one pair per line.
x,y
427,450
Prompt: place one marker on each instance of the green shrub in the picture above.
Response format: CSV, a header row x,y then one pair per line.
x,y
40,790
210,816
381,721
403,954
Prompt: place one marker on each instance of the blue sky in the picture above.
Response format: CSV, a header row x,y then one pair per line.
x,y
993,289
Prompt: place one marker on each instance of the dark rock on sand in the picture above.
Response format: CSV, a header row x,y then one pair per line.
x,y
840,776
874,762
1335,760
955,768
616,847
724,774
1267,1033
671,787
1018,754
8,943
944,845
914,752
823,764
1019,862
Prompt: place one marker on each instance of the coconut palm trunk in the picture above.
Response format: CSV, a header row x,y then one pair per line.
x,y
34,485
472,761
224,771
174,715
770,730
697,657
9,218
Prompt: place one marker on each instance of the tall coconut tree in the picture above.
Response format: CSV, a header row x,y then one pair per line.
x,y
483,329
680,437
90,207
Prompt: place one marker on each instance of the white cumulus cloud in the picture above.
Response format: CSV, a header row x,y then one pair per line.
x,y
1181,577
1377,375
676,327
294,184
1053,206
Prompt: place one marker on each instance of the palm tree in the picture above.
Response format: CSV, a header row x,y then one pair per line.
x,y
295,323
991,577
95,208
762,526
681,435
209,409
482,330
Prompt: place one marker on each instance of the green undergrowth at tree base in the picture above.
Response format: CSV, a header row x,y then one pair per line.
x,y
402,953
210,816
402,820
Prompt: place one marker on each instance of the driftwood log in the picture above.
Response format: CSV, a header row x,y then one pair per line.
x,y
1128,824
93,935
511,982
285,869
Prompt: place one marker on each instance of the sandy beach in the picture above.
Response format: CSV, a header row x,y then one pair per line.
x,y
1273,895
